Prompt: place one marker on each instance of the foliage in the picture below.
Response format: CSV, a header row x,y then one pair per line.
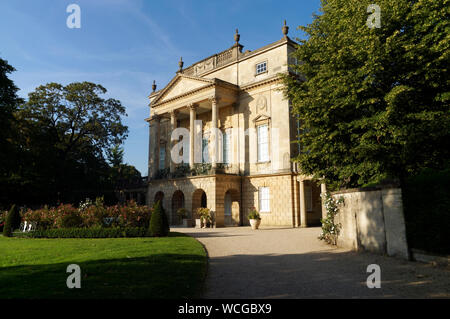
x,y
182,213
115,155
2,219
57,143
372,103
112,268
9,223
159,225
330,230
93,232
162,173
67,216
121,175
182,171
204,213
201,169
9,102
90,215
254,214
426,200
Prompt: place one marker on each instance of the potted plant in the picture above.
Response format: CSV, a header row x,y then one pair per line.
x,y
183,214
198,219
254,218
204,217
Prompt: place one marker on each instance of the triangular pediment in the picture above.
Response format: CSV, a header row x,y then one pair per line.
x,y
261,117
181,84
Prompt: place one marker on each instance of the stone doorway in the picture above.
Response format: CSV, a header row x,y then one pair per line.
x,y
199,199
232,208
177,203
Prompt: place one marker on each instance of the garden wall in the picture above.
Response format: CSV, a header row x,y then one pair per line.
x,y
372,219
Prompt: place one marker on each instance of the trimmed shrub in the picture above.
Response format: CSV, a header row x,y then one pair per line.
x,y
159,225
93,232
9,223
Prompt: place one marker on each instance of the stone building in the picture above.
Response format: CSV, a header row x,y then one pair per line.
x,y
231,107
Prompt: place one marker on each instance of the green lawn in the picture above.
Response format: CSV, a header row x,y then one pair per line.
x,y
171,267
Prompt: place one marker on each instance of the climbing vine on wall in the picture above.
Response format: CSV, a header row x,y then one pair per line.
x,y
330,230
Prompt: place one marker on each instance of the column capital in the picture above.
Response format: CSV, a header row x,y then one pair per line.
x,y
214,99
156,118
192,106
173,112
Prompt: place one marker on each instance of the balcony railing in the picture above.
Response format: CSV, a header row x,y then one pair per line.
x,y
185,171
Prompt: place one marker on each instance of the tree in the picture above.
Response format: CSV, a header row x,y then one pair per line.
x,y
159,225
10,221
115,155
65,132
121,175
372,103
9,102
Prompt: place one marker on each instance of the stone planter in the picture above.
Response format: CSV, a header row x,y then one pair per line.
x,y
255,223
198,223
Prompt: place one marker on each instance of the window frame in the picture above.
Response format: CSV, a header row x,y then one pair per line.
x,y
266,69
162,157
258,144
226,147
266,200
205,138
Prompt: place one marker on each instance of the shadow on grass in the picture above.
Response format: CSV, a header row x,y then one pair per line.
x,y
158,276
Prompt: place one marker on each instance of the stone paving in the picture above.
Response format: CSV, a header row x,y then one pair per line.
x,y
293,263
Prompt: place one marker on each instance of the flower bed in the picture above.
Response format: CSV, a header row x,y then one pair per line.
x,y
90,215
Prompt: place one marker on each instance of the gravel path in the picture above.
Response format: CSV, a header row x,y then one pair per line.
x,y
293,263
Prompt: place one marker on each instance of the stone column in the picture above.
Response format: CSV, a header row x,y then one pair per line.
x,y
151,164
192,118
323,191
214,114
154,145
303,222
173,126
157,141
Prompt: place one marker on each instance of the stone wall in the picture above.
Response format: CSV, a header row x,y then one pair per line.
x,y
282,199
372,219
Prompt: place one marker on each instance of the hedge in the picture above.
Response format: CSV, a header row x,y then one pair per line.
x,y
93,232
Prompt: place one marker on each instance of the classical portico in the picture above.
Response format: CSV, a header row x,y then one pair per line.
x,y
198,96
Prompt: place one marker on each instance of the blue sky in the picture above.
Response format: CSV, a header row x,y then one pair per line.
x,y
126,44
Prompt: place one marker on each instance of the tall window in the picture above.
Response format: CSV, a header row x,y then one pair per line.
x,y
227,146
263,143
162,156
261,67
205,148
264,199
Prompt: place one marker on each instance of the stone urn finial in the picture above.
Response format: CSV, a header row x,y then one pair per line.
x,y
237,36
154,86
285,29
180,64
